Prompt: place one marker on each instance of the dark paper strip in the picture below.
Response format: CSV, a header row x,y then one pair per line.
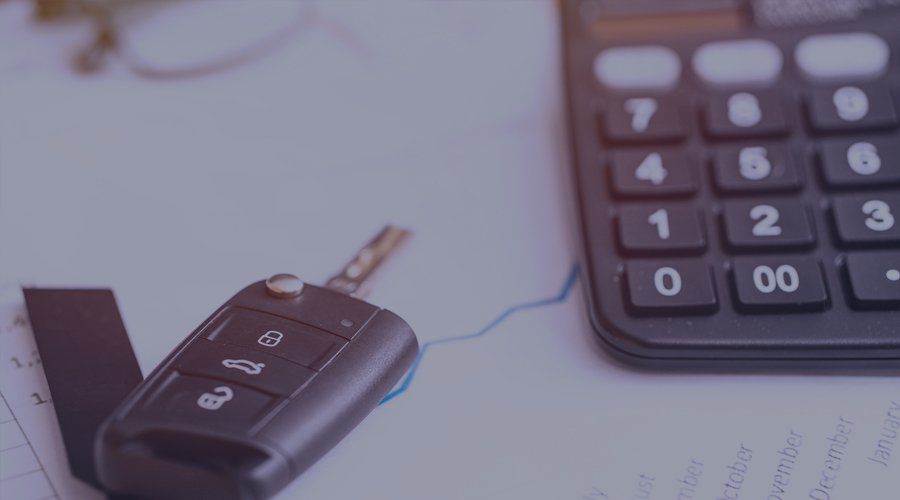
x,y
88,361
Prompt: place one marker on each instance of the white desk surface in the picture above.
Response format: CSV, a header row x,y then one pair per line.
x,y
444,117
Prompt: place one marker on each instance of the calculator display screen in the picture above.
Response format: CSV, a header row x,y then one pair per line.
x,y
625,27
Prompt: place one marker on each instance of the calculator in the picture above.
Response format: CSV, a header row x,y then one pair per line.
x,y
736,169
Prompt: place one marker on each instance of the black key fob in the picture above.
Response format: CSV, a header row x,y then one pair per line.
x,y
261,390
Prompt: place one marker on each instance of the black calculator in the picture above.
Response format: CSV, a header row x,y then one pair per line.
x,y
736,166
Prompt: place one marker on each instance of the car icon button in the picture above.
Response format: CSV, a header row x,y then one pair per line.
x,y
270,334
246,367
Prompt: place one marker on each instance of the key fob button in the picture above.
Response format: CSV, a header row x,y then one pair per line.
x,y
254,369
277,336
207,403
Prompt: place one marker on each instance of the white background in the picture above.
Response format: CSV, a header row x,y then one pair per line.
x,y
444,117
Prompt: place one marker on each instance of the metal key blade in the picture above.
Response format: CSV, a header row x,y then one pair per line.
x,y
352,278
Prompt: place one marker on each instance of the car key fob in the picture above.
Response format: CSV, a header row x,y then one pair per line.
x,y
262,389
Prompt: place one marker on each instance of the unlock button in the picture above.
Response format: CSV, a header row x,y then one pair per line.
x,y
206,403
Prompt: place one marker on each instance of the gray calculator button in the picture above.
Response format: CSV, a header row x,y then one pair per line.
x,y
646,67
752,62
670,287
778,284
867,219
874,279
842,56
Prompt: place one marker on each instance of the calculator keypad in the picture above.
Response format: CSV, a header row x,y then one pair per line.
x,y
747,209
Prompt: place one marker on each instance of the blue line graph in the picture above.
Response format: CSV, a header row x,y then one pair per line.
x,y
558,298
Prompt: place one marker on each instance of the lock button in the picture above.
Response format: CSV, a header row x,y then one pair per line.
x,y
206,403
302,344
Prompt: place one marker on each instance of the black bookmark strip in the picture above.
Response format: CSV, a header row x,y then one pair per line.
x,y
89,364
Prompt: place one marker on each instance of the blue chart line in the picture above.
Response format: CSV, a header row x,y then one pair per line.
x,y
558,298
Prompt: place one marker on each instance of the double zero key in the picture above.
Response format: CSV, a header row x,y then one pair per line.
x,y
778,284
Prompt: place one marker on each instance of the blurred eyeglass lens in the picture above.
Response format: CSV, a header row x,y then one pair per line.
x,y
182,34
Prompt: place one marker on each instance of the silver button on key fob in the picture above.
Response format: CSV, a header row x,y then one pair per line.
x,y
261,390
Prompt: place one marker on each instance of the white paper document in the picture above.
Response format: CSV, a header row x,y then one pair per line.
x,y
442,117
32,460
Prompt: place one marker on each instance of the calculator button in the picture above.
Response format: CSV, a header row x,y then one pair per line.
x,y
842,56
248,367
852,107
743,169
868,218
753,62
642,119
665,287
873,161
874,279
302,344
745,114
652,173
767,224
206,403
660,227
647,67
773,284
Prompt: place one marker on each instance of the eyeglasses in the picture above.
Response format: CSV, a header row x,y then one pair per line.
x,y
181,38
